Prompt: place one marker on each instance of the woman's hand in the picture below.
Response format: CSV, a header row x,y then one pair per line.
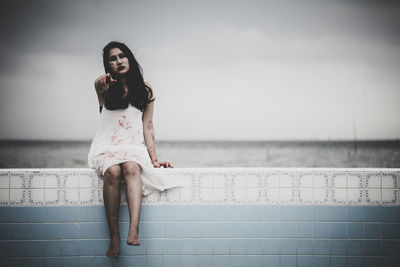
x,y
165,164
102,83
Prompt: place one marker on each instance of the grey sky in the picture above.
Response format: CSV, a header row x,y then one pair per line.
x,y
236,70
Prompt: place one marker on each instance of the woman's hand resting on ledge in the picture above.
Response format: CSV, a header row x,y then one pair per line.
x,y
165,164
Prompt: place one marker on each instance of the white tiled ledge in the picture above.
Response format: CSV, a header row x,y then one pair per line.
x,y
212,186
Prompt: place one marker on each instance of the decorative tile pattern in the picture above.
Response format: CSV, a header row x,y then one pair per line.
x,y
210,186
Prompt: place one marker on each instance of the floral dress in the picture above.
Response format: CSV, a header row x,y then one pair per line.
x,y
119,139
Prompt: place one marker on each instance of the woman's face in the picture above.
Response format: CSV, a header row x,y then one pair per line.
x,y
118,61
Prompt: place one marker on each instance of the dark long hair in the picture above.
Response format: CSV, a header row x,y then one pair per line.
x,y
139,94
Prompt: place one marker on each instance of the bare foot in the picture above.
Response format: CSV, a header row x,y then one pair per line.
x,y
133,238
113,249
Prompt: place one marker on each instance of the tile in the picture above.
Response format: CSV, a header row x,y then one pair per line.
x,y
154,229
204,246
305,195
271,213
155,246
237,246
287,195
221,213
4,179
255,229
205,229
305,213
321,261
288,229
338,261
87,230
354,180
221,246
70,214
70,247
321,213
288,246
355,247
171,260
288,261
355,214
305,180
271,229
338,247
238,260
304,247
221,260
52,248
338,230
70,230
4,197
288,213
255,260
53,214
238,229
35,214
17,214
373,230
305,229
101,230
34,231
171,213
188,229
86,248
339,180
390,230
222,229
87,214
15,232
271,260
188,246
34,249
171,229
4,214
238,213
373,180
52,231
271,246
204,260
321,230
255,246
389,180
321,247
304,261
355,230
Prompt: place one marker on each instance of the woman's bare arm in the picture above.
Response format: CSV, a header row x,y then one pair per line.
x,y
149,137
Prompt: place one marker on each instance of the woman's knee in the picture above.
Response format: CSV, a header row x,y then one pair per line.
x,y
130,169
113,174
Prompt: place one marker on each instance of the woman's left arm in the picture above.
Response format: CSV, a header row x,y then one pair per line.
x,y
148,132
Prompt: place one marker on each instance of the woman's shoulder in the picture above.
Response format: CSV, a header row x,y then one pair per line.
x,y
149,89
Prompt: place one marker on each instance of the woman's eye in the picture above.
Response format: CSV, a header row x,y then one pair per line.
x,y
113,58
121,56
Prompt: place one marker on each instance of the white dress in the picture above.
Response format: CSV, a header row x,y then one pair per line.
x,y
119,138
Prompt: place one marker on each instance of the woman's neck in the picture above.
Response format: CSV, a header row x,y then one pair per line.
x,y
124,81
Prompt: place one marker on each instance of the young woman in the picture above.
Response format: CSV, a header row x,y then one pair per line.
x,y
124,147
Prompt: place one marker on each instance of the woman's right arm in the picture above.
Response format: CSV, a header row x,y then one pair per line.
x,y
102,84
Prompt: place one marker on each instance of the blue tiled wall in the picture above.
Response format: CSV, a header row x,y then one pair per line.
x,y
193,235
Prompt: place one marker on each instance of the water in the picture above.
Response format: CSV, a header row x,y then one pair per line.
x,y
340,154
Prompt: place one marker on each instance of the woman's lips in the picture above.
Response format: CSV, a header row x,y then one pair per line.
x,y
121,68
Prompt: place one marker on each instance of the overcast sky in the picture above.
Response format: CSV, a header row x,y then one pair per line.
x,y
221,70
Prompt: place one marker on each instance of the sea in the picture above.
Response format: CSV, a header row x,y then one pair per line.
x,y
185,154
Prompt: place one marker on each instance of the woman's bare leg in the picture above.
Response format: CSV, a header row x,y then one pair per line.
x,y
112,198
133,181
